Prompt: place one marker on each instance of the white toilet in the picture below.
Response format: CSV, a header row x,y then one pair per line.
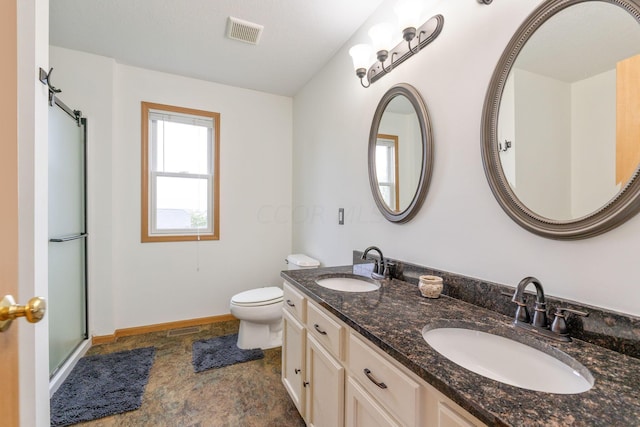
x,y
260,310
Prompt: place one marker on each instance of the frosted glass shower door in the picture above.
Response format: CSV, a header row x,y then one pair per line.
x,y
67,307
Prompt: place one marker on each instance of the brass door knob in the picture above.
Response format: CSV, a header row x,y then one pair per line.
x,y
34,311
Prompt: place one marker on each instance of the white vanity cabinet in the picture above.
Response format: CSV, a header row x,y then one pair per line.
x,y
294,337
405,398
336,377
324,387
311,372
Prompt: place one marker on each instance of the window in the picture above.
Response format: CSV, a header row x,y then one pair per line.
x,y
387,170
180,174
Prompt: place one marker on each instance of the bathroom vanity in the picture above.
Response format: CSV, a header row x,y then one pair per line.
x,y
359,359
336,377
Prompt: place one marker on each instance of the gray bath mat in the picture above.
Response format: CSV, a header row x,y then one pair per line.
x,y
221,351
102,385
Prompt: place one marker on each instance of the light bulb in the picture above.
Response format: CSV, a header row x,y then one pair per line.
x,y
409,13
382,36
361,54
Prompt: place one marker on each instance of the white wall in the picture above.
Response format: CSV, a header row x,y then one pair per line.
x,y
568,149
593,142
507,130
134,284
543,131
460,228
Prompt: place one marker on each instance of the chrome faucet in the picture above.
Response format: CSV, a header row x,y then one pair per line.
x,y
540,307
539,324
379,269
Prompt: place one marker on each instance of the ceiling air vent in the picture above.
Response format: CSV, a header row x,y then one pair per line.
x,y
244,31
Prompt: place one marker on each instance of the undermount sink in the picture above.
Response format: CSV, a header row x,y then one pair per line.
x,y
509,361
348,283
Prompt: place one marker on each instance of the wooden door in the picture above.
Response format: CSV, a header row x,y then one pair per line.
x,y
627,118
9,403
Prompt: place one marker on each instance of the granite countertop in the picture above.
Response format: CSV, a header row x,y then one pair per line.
x,y
393,319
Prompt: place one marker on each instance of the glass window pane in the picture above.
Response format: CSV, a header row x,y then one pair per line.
x,y
182,203
182,147
385,192
382,163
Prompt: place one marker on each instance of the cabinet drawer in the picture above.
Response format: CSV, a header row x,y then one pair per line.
x,y
390,386
294,302
326,330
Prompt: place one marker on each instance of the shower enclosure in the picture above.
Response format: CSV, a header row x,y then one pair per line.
x,y
67,308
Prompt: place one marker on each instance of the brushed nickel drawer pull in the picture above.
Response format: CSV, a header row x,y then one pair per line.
x,y
369,375
317,328
290,304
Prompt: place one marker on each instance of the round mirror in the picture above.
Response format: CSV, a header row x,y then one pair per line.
x,y
561,129
400,153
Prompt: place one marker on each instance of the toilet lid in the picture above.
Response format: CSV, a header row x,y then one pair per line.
x,y
259,296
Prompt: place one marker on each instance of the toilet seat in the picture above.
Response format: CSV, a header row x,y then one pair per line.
x,y
258,297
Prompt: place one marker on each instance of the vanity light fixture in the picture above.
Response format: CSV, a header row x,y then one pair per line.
x,y
389,53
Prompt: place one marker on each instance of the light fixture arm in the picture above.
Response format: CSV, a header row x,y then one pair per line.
x,y
361,72
417,48
393,54
426,33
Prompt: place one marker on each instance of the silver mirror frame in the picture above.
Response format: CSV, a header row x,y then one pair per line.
x,y
615,212
420,108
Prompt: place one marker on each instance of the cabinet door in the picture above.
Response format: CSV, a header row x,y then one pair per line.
x,y
325,387
362,410
440,411
293,360
449,417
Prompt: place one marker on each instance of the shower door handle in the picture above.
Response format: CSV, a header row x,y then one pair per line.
x,y
69,238
34,311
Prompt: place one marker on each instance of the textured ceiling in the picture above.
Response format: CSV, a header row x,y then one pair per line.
x,y
187,37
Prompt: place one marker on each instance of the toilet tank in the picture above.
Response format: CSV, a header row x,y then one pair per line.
x,y
301,261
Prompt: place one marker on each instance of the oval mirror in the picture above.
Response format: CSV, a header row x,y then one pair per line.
x,y
400,153
560,126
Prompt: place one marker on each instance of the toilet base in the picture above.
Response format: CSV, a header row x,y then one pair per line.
x,y
259,335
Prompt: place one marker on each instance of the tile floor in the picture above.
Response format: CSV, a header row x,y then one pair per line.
x,y
247,394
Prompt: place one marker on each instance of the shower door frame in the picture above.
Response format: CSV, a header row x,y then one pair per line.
x,y
84,235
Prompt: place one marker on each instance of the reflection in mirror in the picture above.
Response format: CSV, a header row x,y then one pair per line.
x,y
400,153
387,170
559,109
400,122
562,148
